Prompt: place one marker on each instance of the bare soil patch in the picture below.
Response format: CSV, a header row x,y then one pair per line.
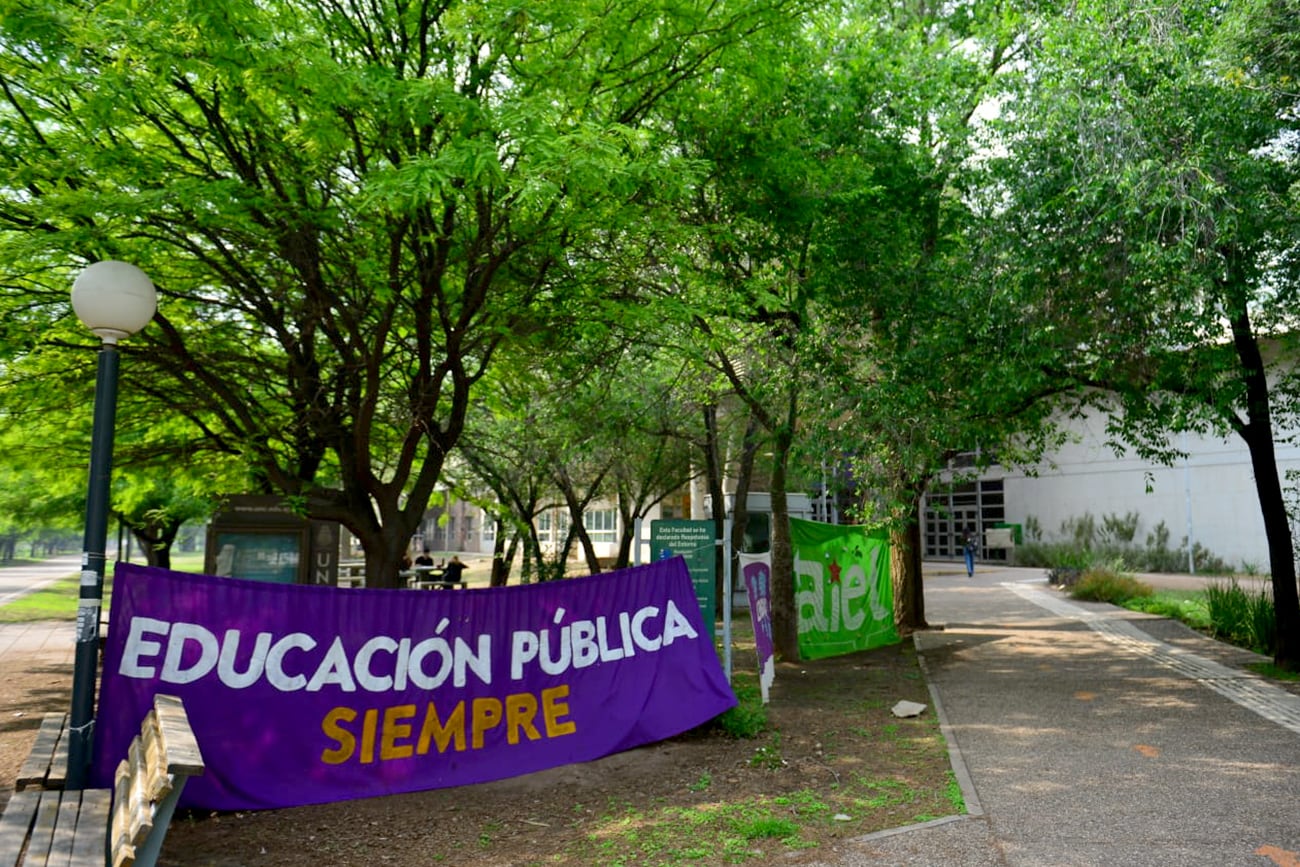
x,y
833,764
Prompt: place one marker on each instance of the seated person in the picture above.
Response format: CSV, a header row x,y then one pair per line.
x,y
453,570
424,559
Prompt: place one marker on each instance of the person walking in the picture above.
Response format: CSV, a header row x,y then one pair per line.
x,y
969,542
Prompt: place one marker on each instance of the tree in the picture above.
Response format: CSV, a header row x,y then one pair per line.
x,y
501,453
866,332
566,421
921,360
165,473
155,508
1158,186
346,209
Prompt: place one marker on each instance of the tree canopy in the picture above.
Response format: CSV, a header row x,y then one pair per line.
x,y
555,239
346,209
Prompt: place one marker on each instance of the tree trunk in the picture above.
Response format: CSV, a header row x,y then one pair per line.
x,y
155,540
627,532
502,558
713,475
905,570
384,551
577,524
1281,552
785,617
1258,434
740,508
534,562
557,568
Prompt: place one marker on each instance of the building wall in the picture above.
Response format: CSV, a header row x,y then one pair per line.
x,y
1209,497
452,526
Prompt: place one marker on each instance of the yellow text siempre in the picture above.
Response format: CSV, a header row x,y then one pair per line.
x,y
182,652
402,731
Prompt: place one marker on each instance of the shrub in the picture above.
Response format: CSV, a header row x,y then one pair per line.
x,y
1263,623
1088,544
1207,563
1058,557
1105,584
748,719
1242,617
1083,530
1033,530
1121,530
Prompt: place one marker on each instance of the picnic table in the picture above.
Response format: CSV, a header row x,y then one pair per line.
x,y
432,578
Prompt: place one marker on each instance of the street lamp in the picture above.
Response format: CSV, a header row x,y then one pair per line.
x,y
114,300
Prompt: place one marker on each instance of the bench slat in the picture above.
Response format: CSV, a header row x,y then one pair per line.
x,y
119,830
157,782
37,766
38,844
138,808
59,766
179,743
15,823
65,825
88,849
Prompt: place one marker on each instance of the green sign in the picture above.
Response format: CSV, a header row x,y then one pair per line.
x,y
694,541
843,594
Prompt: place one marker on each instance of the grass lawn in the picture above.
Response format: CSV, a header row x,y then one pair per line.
x,y
58,601
1186,605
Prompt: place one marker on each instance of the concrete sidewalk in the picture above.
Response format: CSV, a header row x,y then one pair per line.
x,y
1084,734
48,641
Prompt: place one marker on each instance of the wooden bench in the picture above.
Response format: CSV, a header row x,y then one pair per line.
x,y
43,825
352,573
435,584
422,578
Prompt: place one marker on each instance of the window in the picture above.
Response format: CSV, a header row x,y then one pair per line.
x,y
601,525
552,526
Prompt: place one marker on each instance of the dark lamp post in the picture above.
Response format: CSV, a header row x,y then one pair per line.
x,y
114,300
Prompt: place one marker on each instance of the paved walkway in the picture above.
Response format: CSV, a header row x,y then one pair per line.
x,y
51,641
1083,734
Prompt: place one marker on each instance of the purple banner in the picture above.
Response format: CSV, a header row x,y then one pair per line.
x,y
757,574
303,695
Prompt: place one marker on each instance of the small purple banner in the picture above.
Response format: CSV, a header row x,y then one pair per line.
x,y
757,574
303,695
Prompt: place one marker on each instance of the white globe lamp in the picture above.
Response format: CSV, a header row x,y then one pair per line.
x,y
114,299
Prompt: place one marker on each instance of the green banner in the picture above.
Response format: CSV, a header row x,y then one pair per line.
x,y
692,540
843,594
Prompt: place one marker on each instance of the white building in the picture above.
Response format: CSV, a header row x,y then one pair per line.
x,y
1209,498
